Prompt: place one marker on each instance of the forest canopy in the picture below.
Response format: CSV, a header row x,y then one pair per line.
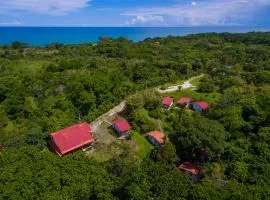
x,y
43,89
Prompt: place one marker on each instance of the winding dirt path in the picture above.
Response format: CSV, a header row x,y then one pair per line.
x,y
105,117
120,107
186,85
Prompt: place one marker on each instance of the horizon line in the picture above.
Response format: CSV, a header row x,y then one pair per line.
x,y
210,26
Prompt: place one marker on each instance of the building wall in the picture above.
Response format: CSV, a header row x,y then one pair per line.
x,y
196,108
193,176
153,140
54,147
119,133
117,130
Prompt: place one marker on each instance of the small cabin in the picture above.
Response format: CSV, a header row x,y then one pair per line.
x,y
156,137
184,101
67,140
200,106
167,102
121,126
191,169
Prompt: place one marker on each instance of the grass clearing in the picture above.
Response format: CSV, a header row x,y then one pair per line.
x,y
108,146
196,82
29,65
144,147
208,97
167,85
104,152
179,82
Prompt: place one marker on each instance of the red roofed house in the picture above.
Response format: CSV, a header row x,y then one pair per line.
x,y
167,102
156,137
71,138
191,169
121,126
200,106
183,101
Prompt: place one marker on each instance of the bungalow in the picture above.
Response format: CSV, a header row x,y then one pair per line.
x,y
71,138
167,102
121,126
191,169
184,101
156,137
200,106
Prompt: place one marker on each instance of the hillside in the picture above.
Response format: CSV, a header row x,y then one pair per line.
x,y
44,89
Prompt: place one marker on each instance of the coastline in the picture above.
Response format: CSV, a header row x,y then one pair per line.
x,y
41,36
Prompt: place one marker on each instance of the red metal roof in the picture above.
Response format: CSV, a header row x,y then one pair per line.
x,y
184,100
159,136
122,125
203,105
167,101
72,137
191,168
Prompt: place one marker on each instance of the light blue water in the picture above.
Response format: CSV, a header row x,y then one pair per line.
x,y
47,35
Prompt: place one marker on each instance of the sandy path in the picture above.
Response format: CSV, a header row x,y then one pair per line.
x,y
120,107
186,85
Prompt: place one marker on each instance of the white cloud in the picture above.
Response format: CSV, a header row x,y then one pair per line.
x,y
212,12
146,20
194,3
49,7
10,23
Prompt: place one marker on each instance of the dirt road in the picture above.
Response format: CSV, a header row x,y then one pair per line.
x,y
106,117
186,85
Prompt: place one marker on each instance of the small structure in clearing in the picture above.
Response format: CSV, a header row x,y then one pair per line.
x,y
167,102
71,138
191,169
121,126
184,101
156,137
200,106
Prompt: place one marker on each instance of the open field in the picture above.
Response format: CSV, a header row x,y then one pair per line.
x,y
208,97
108,146
144,147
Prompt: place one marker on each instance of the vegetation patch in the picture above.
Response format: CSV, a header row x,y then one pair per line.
x,y
217,153
144,147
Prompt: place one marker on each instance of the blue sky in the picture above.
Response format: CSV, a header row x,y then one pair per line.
x,y
134,13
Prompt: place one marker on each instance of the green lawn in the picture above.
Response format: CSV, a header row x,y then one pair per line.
x,y
29,65
208,97
196,81
143,145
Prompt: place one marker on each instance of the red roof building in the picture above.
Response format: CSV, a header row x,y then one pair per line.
x,y
156,137
71,138
167,101
121,126
184,101
200,105
191,169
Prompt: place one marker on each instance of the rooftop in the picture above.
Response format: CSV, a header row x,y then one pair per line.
x,y
159,136
167,101
190,167
203,105
184,100
122,125
72,137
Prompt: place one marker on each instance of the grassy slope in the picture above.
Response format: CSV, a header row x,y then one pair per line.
x,y
144,146
208,97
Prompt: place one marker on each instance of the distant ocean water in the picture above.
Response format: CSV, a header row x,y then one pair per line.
x,y
72,35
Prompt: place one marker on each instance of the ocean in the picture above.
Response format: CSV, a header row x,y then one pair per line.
x,y
74,35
